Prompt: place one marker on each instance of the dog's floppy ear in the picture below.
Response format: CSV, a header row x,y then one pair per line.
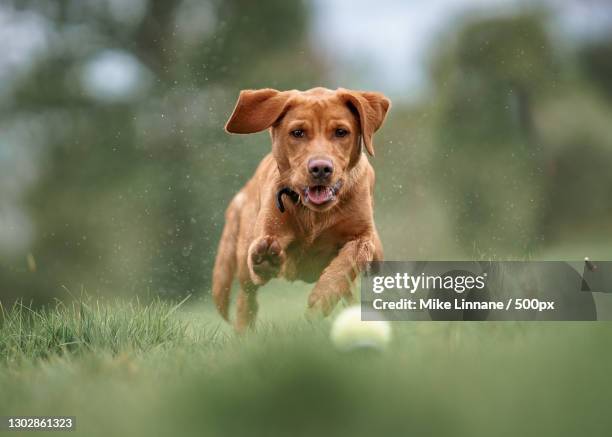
x,y
372,108
256,110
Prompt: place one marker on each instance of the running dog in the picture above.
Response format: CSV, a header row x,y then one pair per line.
x,y
306,214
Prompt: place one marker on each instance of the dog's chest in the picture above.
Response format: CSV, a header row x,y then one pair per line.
x,y
306,260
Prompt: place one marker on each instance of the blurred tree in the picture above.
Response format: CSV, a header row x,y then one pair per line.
x,y
132,188
490,167
595,58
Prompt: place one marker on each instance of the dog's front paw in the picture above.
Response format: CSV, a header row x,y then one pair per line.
x,y
322,303
265,260
325,296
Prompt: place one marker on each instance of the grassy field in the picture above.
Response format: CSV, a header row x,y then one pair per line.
x,y
128,368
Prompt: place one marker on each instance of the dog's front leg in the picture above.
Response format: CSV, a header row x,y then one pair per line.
x,y
266,255
336,280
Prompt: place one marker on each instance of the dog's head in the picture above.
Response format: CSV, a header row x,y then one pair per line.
x,y
317,135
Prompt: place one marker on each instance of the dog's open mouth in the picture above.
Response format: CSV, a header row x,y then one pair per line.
x,y
321,194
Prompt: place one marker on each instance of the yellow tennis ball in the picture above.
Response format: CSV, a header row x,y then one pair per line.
x,y
349,332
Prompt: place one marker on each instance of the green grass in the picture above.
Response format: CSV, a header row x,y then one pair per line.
x,y
87,326
127,368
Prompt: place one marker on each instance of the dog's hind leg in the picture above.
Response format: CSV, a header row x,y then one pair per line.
x,y
225,263
246,307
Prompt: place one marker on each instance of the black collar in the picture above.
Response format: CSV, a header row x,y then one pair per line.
x,y
289,192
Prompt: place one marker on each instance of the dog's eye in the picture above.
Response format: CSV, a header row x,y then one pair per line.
x,y
298,133
341,133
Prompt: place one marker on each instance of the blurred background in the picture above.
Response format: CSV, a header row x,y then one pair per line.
x,y
115,170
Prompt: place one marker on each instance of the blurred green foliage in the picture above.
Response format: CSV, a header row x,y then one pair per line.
x,y
490,166
506,157
132,193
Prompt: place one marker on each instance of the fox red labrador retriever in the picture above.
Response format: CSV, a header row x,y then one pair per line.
x,y
306,214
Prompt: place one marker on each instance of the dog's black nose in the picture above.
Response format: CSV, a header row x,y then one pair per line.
x,y
320,168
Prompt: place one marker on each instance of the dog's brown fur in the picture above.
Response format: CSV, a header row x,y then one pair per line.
x,y
326,243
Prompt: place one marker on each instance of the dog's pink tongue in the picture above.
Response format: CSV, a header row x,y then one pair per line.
x,y
318,195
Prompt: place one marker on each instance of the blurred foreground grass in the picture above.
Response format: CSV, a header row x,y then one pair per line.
x,y
159,369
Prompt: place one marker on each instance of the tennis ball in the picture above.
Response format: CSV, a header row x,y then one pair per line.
x,y
349,332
